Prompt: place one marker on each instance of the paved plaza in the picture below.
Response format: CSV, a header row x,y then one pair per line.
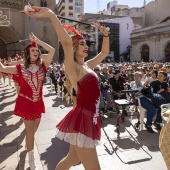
x,y
133,150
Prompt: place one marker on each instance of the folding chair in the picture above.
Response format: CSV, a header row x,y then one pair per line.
x,y
124,102
142,112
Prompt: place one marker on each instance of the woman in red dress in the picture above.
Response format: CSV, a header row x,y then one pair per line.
x,y
29,104
81,126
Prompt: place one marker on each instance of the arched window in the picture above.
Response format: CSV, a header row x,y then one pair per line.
x,y
145,53
43,3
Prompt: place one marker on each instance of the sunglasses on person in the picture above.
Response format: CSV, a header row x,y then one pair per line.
x,y
96,69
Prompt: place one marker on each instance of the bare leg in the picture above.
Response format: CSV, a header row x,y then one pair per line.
x,y
0,77
36,124
68,161
88,157
4,77
29,128
9,77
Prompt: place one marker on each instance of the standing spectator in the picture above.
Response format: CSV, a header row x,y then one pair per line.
x,y
54,77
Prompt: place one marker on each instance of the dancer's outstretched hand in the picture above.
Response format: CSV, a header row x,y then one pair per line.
x,y
37,12
102,28
33,38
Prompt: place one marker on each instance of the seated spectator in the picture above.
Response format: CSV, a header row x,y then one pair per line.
x,y
154,74
130,76
117,84
145,103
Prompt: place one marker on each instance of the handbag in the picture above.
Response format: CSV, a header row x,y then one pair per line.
x,y
157,99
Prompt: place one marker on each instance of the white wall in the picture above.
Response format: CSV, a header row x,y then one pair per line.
x,y
126,27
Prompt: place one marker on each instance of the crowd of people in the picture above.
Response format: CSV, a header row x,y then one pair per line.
x,y
92,85
113,78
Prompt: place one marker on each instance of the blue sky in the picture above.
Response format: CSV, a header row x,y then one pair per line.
x,y
91,6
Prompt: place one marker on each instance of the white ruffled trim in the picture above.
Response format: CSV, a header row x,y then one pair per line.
x,y
78,139
96,115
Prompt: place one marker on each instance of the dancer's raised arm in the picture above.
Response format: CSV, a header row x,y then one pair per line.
x,y
64,37
105,47
8,69
47,47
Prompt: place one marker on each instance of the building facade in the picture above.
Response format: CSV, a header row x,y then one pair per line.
x,y
71,9
21,25
108,11
152,42
92,34
113,8
125,28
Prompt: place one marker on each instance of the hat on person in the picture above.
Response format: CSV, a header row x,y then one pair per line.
x,y
109,65
104,66
115,67
58,65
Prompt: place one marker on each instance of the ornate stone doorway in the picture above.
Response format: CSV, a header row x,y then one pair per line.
x,y
3,49
145,53
8,35
167,53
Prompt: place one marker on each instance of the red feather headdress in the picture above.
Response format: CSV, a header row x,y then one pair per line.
x,y
69,28
33,44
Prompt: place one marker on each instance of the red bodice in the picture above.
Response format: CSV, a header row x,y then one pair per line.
x,y
29,103
27,86
82,126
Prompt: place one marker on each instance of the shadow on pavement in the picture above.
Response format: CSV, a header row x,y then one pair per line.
x,y
130,143
5,129
54,153
60,102
12,146
21,162
5,96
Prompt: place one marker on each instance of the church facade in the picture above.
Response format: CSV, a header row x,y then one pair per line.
x,y
152,42
21,25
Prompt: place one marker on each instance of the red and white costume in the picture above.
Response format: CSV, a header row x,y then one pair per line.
x,y
29,103
82,125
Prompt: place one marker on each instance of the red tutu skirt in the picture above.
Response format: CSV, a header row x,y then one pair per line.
x,y
27,109
78,128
